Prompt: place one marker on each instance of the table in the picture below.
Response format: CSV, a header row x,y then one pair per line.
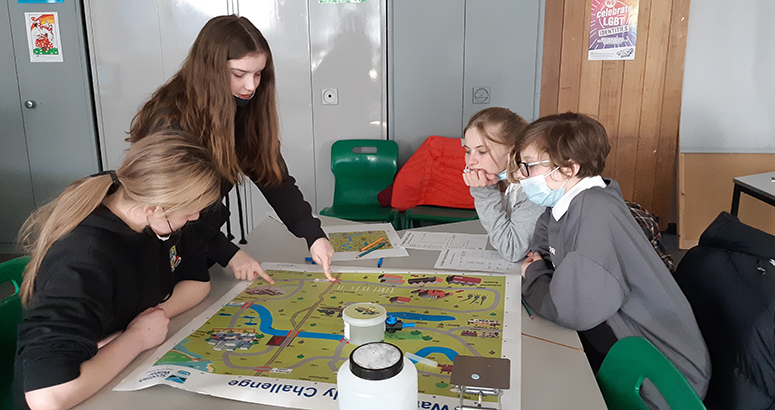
x,y
555,372
759,186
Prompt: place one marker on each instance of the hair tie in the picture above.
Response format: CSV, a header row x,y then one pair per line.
x,y
113,177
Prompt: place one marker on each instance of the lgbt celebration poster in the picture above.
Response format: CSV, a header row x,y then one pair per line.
x,y
613,29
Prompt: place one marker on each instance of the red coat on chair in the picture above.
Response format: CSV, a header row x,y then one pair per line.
x,y
433,176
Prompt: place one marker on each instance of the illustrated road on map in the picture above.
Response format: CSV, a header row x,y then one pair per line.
x,y
294,330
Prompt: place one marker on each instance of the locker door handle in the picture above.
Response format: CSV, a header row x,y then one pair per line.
x,y
29,104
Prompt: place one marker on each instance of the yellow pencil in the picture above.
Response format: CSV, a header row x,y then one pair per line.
x,y
369,246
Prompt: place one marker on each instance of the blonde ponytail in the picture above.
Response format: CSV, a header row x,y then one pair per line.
x,y
56,219
167,169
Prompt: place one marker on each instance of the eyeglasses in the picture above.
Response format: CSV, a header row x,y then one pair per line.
x,y
524,167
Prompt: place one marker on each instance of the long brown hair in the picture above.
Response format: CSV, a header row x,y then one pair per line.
x,y
498,125
167,169
198,100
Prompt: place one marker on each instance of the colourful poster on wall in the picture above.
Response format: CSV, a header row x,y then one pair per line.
x,y
43,38
613,29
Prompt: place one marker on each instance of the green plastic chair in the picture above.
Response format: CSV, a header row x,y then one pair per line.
x,y
628,363
437,215
10,316
362,168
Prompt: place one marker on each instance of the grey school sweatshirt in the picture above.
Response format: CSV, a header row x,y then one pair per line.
x,y
509,218
600,267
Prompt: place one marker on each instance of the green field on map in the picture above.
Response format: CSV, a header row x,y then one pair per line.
x,y
355,241
294,330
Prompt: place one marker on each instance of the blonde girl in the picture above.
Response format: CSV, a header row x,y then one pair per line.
x,y
503,208
110,265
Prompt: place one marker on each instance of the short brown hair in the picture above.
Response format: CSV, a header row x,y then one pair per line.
x,y
567,138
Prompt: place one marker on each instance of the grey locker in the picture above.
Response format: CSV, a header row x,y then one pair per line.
x,y
48,127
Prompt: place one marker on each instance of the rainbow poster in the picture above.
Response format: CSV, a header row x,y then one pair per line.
x,y
613,29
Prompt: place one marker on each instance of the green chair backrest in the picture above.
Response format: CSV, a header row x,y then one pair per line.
x,y
10,316
628,363
362,168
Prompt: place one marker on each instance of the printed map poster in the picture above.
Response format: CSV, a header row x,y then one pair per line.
x,y
350,240
283,344
613,29
43,38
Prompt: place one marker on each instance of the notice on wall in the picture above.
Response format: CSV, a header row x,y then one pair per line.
x,y
613,29
43,38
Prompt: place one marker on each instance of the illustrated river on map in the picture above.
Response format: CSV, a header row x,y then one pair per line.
x,y
294,330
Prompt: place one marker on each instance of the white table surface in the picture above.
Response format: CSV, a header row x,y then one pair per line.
x,y
555,372
762,183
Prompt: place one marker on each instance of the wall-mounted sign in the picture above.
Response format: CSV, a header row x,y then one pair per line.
x,y
613,29
43,38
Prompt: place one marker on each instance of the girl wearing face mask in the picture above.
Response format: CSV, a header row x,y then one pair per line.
x,y
110,265
224,95
591,268
502,207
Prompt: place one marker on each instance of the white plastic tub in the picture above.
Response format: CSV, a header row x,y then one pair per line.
x,y
364,323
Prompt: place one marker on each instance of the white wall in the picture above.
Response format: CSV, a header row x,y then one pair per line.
x,y
728,103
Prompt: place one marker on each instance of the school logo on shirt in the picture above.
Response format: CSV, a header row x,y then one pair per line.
x,y
174,258
552,251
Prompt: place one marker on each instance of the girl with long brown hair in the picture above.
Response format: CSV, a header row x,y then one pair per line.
x,y
224,94
110,265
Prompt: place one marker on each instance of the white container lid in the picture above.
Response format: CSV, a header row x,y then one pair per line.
x,y
364,314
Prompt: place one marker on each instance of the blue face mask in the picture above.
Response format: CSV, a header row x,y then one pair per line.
x,y
538,191
503,175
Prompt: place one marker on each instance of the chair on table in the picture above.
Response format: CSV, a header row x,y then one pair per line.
x,y
10,316
437,215
362,168
628,363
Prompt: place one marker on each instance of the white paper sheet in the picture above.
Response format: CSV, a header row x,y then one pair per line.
x,y
349,240
436,241
475,260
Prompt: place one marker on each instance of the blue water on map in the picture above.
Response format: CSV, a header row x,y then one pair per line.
x,y
250,321
417,316
425,351
315,335
266,321
266,326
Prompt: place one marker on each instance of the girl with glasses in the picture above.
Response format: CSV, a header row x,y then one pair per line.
x,y
502,207
590,267
110,265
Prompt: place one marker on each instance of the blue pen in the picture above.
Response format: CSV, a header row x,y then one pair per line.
x,y
379,263
309,259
